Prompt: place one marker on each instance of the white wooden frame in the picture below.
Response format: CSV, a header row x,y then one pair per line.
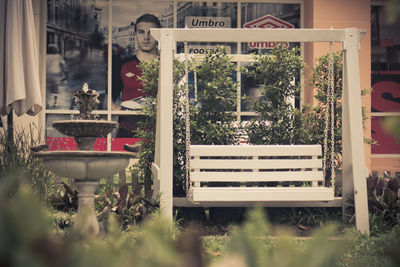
x,y
354,170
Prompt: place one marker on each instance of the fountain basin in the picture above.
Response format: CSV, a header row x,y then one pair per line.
x,y
90,165
85,128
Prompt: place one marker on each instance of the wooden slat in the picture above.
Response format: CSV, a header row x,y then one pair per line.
x,y
315,183
185,202
255,150
256,176
196,184
262,194
255,164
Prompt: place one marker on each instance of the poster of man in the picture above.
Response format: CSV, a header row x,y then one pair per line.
x,y
131,34
129,88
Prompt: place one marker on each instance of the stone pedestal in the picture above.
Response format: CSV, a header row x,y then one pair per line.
x,y
86,222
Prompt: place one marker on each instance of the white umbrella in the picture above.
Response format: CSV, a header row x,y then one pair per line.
x,y
19,71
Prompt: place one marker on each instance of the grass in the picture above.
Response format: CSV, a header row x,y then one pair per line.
x,y
361,250
215,246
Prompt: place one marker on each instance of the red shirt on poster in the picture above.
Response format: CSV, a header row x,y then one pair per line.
x,y
132,86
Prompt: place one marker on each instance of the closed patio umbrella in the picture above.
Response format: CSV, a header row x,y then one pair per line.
x,y
19,72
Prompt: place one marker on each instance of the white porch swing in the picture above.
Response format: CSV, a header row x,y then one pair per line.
x,y
250,167
253,163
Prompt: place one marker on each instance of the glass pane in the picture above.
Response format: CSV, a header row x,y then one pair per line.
x,y
385,42
268,15
76,31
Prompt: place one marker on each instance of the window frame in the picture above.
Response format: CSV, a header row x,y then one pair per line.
x,y
108,112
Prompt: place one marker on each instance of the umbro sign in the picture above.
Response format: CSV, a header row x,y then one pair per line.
x,y
267,21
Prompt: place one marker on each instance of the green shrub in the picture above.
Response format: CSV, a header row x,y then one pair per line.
x,y
277,75
383,203
382,250
128,207
315,119
212,117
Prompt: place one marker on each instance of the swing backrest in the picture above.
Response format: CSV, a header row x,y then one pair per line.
x,y
256,163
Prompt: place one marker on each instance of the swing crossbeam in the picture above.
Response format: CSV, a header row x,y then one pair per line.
x,y
257,173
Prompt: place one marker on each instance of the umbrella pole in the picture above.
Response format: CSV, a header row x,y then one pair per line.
x,y
10,128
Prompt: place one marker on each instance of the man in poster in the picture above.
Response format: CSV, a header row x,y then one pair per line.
x,y
130,71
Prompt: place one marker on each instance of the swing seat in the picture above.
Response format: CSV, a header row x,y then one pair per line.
x,y
257,173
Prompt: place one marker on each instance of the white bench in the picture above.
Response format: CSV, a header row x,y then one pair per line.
x,y
257,173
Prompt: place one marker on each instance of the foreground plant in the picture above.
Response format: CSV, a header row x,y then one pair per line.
x,y
383,203
27,240
18,165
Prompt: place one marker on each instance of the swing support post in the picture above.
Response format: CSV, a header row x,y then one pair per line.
x,y
163,159
354,170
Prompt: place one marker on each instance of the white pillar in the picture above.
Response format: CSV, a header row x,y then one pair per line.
x,y
164,144
354,169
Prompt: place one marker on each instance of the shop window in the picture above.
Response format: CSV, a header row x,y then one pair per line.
x,y
79,50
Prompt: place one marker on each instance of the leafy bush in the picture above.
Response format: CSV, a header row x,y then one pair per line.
x,y
378,251
277,75
383,203
128,207
251,246
315,118
212,120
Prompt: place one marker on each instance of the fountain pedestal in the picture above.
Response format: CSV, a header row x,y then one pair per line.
x,y
86,210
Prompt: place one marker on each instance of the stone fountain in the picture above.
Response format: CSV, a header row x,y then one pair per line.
x,y
85,165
